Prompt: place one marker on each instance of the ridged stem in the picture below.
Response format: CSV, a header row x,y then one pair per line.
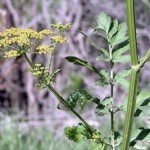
x,y
134,76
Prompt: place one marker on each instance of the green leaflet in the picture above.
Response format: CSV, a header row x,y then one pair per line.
x,y
122,59
103,107
141,134
103,22
120,50
104,78
80,97
77,134
113,29
120,36
81,62
143,99
120,77
102,58
97,146
92,43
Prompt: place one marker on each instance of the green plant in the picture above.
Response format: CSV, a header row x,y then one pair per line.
x,y
16,42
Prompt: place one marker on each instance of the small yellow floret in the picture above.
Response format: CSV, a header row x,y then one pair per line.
x,y
12,53
46,32
59,39
44,49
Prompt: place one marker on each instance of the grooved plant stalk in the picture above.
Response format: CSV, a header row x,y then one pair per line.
x,y
134,76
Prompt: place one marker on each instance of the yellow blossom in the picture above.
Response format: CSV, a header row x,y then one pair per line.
x,y
44,49
59,39
12,53
61,27
46,32
38,65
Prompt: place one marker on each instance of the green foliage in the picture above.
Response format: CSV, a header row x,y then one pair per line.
x,y
143,99
121,78
115,35
77,133
103,107
81,62
141,135
81,97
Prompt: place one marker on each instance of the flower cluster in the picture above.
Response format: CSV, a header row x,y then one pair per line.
x,y
39,70
15,41
42,49
96,137
12,53
61,28
58,39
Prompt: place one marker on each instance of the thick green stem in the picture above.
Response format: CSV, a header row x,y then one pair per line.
x,y
60,98
130,109
134,76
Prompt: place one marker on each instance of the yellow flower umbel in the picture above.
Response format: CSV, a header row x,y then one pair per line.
x,y
17,41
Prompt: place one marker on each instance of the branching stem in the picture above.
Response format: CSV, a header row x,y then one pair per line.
x,y
61,99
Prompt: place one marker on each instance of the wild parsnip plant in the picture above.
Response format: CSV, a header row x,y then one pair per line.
x,y
15,42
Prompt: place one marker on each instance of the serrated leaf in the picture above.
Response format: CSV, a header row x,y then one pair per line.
x,y
102,58
104,78
103,107
120,36
122,59
141,134
143,99
92,43
80,97
104,22
113,29
120,77
81,62
120,50
117,137
102,82
105,74
77,134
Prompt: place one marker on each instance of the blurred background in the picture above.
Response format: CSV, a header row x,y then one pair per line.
x,y
29,119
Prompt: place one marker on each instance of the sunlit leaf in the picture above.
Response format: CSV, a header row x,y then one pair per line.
x,y
103,22
120,36
113,29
